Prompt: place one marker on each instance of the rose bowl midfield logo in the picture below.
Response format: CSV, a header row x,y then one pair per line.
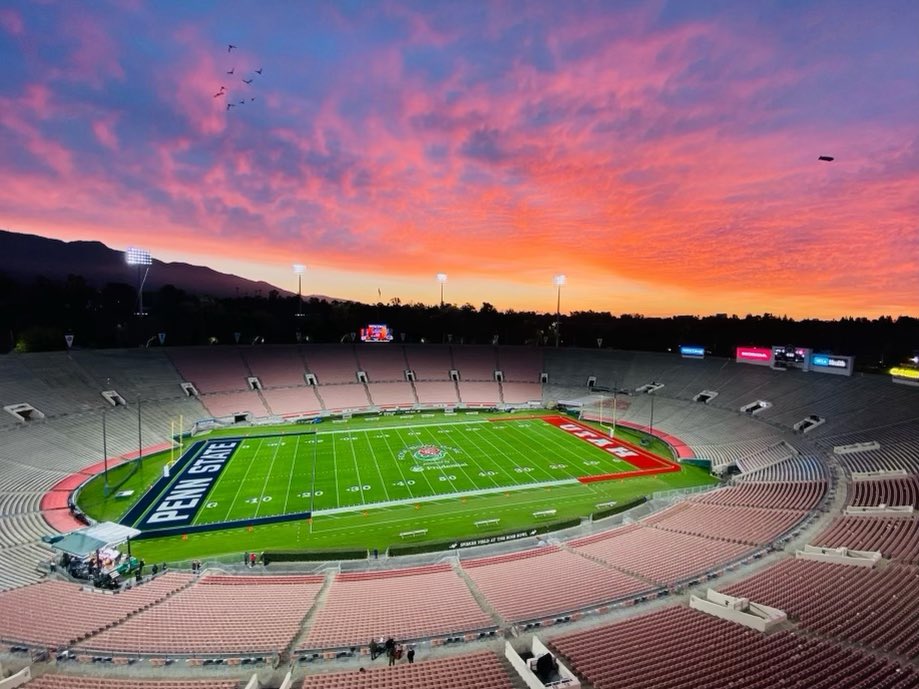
x,y
428,453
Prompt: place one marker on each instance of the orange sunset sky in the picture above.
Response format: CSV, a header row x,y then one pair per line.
x,y
662,155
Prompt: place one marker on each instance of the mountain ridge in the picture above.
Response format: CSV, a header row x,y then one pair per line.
x,y
26,256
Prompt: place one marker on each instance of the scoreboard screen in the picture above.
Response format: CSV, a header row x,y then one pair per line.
x,y
376,333
789,354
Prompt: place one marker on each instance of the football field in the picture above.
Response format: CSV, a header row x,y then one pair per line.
x,y
346,470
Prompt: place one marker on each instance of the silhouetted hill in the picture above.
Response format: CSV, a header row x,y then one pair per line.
x,y
24,257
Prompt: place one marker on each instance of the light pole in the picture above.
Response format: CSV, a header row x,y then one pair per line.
x,y
105,487
651,419
559,281
299,269
140,258
441,278
612,431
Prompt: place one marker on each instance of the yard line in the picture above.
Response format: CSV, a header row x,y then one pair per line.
x,y
531,445
576,454
398,466
243,482
380,473
360,481
335,468
291,477
423,474
471,480
497,463
572,450
277,447
442,469
527,441
482,469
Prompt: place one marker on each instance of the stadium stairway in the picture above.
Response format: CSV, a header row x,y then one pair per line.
x,y
307,621
477,594
319,397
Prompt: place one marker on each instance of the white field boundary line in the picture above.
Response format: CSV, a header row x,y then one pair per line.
x,y
446,496
406,427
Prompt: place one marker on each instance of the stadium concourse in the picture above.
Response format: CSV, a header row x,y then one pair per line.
x,y
622,601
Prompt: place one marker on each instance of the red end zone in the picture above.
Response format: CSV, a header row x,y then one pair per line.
x,y
644,462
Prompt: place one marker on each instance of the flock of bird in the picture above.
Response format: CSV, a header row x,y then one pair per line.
x,y
224,93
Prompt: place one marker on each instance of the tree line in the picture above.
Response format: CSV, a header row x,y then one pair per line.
x,y
36,316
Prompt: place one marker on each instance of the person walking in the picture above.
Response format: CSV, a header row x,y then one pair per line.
x,y
410,655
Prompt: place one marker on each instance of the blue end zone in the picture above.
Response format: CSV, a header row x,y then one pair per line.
x,y
180,502
169,507
174,500
156,490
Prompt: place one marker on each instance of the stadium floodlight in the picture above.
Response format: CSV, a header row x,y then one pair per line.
x,y
143,260
441,278
559,280
138,257
299,269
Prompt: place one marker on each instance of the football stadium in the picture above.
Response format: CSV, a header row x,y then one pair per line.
x,y
480,505
515,344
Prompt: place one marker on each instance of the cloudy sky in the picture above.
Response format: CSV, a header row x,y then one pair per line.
x,y
663,155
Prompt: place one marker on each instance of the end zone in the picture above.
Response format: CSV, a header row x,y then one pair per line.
x,y
644,462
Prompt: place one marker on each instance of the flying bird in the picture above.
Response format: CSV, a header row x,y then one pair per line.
x,y
252,99
230,105
231,70
230,47
218,94
258,71
826,159
247,81
242,102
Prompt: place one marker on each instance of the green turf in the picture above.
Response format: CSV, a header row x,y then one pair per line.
x,y
102,505
367,488
357,468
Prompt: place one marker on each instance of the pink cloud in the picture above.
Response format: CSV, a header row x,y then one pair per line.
x,y
11,22
104,129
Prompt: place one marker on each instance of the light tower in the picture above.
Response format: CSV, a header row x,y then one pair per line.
x,y
441,278
143,260
299,269
559,280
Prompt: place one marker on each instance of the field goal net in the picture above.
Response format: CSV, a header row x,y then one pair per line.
x,y
604,409
204,425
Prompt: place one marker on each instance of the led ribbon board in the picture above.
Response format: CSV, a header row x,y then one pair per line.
x,y
832,363
903,373
760,356
692,352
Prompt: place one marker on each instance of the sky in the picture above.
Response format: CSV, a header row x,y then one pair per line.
x,y
661,155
